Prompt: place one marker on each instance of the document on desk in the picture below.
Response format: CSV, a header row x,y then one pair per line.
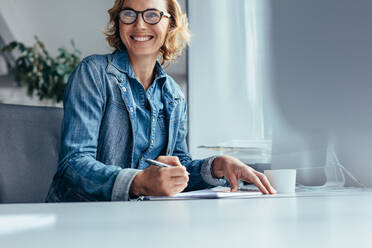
x,y
213,193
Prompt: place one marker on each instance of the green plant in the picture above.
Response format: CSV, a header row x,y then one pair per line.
x,y
39,71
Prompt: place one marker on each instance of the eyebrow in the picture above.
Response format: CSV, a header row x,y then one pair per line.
x,y
129,8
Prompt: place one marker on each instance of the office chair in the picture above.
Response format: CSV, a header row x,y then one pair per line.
x,y
29,144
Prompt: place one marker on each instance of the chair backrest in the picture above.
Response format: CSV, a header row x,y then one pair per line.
x,y
29,145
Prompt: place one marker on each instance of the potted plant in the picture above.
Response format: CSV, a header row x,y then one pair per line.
x,y
44,75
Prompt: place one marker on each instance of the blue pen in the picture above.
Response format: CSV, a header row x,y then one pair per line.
x,y
160,164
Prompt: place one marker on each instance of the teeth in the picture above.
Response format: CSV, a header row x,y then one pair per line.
x,y
141,38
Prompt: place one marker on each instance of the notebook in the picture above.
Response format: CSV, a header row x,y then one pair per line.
x,y
213,193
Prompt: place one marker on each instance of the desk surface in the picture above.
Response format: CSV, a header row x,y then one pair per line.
x,y
319,221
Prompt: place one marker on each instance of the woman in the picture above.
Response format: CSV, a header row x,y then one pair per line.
x,y
122,108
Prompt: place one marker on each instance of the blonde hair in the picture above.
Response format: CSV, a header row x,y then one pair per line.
x,y
176,40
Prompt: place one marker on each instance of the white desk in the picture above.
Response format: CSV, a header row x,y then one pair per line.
x,y
321,221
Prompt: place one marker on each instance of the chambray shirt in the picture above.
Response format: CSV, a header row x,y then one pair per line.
x,y
108,129
151,133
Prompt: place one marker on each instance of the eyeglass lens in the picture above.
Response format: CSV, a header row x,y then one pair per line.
x,y
128,16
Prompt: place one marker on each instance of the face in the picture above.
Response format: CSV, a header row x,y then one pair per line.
x,y
140,38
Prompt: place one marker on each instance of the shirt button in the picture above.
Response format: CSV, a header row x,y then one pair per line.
x,y
152,141
131,109
124,89
153,119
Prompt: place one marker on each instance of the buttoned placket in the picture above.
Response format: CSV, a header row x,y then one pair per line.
x,y
130,107
173,102
153,117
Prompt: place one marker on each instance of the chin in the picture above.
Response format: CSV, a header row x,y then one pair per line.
x,y
143,52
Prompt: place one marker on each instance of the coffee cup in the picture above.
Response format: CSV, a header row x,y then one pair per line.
x,y
283,180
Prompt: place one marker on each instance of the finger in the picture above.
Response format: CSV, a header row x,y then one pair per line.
x,y
174,160
233,181
177,189
265,182
251,177
184,177
171,160
179,180
176,171
180,187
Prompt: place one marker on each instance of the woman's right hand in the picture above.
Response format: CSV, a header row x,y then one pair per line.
x,y
161,181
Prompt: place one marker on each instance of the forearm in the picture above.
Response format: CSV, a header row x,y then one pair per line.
x,y
95,180
201,176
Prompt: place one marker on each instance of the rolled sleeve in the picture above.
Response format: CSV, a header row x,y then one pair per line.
x,y
207,174
124,179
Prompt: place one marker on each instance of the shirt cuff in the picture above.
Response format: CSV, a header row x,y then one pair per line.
x,y
207,173
120,191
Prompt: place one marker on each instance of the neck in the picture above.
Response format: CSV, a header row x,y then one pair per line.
x,y
143,68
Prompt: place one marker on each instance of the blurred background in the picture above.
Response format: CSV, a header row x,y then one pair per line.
x,y
272,82
56,23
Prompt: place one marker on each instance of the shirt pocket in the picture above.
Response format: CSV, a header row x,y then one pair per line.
x,y
162,123
117,104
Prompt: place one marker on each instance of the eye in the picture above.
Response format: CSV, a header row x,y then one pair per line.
x,y
128,13
152,14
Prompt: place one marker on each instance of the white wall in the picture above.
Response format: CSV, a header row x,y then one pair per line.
x,y
57,22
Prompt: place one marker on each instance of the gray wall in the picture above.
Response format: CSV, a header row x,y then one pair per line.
x,y
322,83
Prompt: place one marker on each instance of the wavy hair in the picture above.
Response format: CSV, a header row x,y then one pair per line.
x,y
176,39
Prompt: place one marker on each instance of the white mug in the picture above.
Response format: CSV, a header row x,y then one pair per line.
x,y
284,181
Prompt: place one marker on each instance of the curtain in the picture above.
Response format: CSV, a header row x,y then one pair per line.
x,y
228,68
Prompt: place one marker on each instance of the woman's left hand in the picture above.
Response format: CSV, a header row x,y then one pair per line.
x,y
233,169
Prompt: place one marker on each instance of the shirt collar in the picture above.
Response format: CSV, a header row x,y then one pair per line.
x,y
119,65
121,62
159,71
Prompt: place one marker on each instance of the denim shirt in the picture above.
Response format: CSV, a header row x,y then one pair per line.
x,y
151,133
99,129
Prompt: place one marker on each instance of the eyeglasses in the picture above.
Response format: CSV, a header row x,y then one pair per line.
x,y
150,16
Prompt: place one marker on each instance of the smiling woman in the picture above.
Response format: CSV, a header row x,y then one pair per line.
x,y
178,33
136,38
121,109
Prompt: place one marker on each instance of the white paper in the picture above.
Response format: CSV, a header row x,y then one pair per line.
x,y
250,191
214,193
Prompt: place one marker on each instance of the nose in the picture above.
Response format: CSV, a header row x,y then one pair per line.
x,y
140,23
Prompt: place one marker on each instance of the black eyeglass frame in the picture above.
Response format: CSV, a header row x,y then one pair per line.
x,y
162,13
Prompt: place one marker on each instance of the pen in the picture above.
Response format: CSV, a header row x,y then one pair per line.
x,y
160,164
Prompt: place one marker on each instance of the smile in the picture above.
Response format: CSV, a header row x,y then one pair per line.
x,y
141,38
